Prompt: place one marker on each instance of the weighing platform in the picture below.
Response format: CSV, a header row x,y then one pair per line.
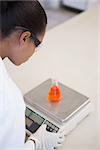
x,y
65,114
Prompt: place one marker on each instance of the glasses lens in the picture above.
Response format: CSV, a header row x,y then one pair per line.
x,y
36,41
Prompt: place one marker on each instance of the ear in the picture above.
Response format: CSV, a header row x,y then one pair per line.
x,y
24,38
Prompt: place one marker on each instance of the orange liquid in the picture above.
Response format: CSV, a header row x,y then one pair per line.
x,y
54,94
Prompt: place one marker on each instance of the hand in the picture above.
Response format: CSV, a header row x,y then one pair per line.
x,y
47,140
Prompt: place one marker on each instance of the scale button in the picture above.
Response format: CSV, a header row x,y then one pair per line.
x,y
51,129
55,131
48,128
50,124
53,126
56,128
47,122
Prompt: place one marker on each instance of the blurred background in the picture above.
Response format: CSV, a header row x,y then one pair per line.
x,y
59,11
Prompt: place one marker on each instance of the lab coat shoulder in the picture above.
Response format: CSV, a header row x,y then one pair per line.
x,y
12,114
10,95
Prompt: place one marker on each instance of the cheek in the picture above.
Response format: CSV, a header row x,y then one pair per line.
x,y
30,51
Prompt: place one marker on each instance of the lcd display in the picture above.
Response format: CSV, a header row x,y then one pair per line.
x,y
28,122
36,118
28,112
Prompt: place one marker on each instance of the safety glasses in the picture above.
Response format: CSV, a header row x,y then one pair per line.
x,y
36,41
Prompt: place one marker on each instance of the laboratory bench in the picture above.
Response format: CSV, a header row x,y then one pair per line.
x,y
69,53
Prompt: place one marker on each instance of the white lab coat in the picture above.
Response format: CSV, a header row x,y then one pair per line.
x,y
12,115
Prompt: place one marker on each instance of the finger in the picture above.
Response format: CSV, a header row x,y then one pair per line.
x,y
60,143
61,140
57,146
52,149
61,134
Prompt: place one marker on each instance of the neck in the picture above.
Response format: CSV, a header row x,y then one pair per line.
x,y
2,49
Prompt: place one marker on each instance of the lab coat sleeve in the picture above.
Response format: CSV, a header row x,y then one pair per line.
x,y
29,145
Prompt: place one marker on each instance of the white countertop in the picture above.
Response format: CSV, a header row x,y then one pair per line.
x,y
69,54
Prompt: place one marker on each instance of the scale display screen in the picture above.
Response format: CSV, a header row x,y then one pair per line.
x,y
33,120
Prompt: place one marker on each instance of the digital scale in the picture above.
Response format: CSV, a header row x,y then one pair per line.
x,y
65,114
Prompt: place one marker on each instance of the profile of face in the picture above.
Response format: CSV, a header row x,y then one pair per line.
x,y
20,46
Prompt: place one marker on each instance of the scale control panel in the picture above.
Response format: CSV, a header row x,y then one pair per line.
x,y
34,121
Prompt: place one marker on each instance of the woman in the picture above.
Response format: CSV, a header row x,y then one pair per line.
x,y
22,28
